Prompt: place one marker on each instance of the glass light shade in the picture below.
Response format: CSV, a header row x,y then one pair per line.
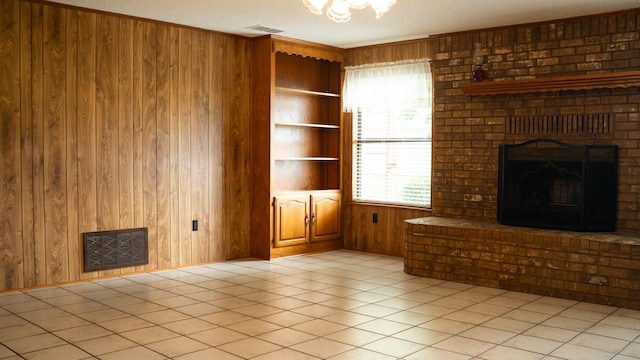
x,y
315,6
339,11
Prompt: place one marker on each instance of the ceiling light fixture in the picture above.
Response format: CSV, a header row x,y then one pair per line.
x,y
339,10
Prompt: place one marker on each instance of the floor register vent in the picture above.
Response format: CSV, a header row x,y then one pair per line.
x,y
115,249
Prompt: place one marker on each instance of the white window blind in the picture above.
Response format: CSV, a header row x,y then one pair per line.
x,y
392,109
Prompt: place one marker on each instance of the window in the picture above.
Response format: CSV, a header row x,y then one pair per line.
x,y
391,107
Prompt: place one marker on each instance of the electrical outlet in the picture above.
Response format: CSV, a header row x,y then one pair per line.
x,y
375,218
194,225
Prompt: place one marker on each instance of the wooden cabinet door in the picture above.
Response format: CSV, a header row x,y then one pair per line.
x,y
325,217
291,223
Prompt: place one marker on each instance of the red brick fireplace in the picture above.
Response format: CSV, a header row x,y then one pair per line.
x,y
463,241
469,129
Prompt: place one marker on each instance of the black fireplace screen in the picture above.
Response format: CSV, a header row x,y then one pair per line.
x,y
549,184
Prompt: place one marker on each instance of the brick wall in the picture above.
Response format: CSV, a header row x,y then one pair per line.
x,y
468,130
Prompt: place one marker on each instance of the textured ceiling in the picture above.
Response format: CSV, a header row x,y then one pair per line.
x,y
407,19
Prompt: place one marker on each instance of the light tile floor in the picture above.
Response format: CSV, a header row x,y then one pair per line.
x,y
336,305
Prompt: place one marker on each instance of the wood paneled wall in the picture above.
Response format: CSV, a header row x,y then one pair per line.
x,y
358,229
110,122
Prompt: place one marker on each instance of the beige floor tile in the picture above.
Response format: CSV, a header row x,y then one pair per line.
x,y
409,318
189,326
164,316
177,346
149,335
575,352
254,327
103,315
422,336
551,333
175,301
287,354
316,310
569,323
384,327
218,336
533,344
447,326
604,343
258,310
125,324
614,332
249,348
66,352
80,333
61,323
437,354
138,353
199,309
335,305
286,337
322,348
507,353
512,325
33,343
319,327
348,318
106,344
287,318
394,347
11,320
464,345
362,354
494,336
355,337
632,350
30,305
467,316
6,353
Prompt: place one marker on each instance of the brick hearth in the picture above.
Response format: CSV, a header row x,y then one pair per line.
x,y
602,268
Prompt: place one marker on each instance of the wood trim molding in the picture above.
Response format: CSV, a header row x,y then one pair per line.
x,y
307,49
623,79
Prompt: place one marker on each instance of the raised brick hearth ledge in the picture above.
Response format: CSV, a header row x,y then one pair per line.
x,y
602,268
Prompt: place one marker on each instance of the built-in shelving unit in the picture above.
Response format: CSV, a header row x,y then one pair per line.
x,y
296,147
610,80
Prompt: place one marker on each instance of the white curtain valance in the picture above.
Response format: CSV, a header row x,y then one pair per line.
x,y
380,84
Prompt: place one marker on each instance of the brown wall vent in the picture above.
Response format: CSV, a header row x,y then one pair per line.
x,y
115,249
560,124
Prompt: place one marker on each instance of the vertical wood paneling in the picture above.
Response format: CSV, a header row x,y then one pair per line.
x,y
107,125
184,144
199,144
117,123
74,243
37,75
25,259
174,149
149,140
54,136
216,144
138,126
86,99
10,182
236,128
125,124
106,109
163,146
